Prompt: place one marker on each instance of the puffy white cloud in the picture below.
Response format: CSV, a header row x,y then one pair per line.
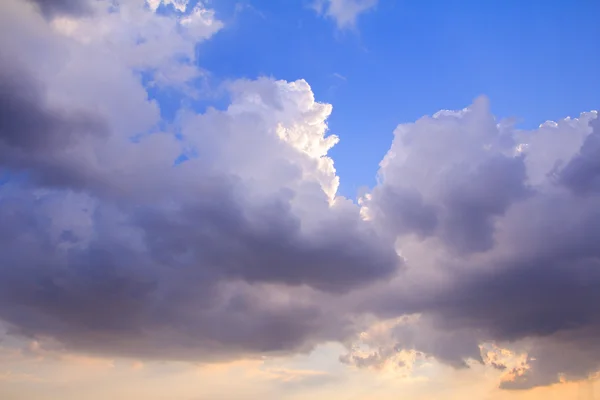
x,y
138,37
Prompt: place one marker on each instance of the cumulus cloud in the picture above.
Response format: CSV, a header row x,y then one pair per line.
x,y
499,232
476,233
582,173
34,134
344,12
50,73
108,246
429,190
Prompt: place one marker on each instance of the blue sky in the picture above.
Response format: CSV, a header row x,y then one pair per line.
x,y
406,59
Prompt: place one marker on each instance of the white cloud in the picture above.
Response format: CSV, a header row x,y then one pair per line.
x,y
344,12
139,38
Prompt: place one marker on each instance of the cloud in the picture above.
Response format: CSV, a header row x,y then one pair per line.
x,y
582,173
498,227
76,109
429,190
34,134
344,12
409,341
108,247
51,8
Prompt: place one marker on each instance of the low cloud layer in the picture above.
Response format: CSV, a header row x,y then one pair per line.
x,y
221,235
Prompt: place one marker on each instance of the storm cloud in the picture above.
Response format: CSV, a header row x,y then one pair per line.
x,y
36,136
512,258
221,235
51,8
108,245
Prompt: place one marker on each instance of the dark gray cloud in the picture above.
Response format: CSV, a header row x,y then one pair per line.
x,y
36,136
538,297
548,288
402,211
527,270
473,199
582,173
122,275
463,214
450,176
51,8
333,258
109,296
106,246
549,280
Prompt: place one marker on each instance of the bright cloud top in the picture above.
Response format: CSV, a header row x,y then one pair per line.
x,y
110,246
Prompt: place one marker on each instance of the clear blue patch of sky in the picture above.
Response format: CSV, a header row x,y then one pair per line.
x,y
536,60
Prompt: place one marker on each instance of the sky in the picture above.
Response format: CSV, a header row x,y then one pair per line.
x,y
325,199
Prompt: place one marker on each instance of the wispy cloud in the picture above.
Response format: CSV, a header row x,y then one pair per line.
x,y
344,12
